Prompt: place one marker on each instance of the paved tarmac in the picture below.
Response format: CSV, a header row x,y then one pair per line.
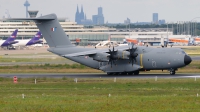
x,y
81,75
195,58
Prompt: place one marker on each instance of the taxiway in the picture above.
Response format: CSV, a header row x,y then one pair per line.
x,y
80,75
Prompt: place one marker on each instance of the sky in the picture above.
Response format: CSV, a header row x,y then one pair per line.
x,y
115,11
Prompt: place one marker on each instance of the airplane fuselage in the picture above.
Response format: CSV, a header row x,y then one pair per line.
x,y
1,42
148,59
21,42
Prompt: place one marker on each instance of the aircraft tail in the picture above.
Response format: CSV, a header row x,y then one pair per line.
x,y
51,30
10,40
35,39
12,36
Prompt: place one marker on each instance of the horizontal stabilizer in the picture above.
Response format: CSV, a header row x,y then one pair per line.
x,y
13,42
42,18
37,41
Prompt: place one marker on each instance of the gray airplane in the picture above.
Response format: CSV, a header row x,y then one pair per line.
x,y
125,60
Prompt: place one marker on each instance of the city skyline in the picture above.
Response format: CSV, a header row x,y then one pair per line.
x,y
114,12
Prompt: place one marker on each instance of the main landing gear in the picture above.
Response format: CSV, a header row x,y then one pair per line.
x,y
124,73
172,72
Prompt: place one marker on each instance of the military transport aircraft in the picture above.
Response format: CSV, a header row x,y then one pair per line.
x,y
115,60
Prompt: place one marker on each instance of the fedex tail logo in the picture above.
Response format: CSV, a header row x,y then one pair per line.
x,y
12,36
37,36
53,29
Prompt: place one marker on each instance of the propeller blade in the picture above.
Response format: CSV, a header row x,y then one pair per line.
x,y
114,63
132,62
135,59
111,64
132,46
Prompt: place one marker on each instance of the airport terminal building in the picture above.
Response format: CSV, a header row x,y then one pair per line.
x,y
88,36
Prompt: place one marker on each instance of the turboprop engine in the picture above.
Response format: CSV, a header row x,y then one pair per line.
x,y
122,54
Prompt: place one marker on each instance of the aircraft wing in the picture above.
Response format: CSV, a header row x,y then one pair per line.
x,y
85,53
92,52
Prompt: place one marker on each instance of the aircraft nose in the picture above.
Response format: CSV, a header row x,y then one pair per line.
x,y
187,59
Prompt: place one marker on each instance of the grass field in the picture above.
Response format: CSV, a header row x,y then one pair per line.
x,y
92,95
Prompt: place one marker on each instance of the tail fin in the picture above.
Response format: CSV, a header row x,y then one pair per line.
x,y
12,36
51,30
35,39
10,40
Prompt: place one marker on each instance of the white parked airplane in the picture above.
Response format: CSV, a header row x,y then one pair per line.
x,y
28,42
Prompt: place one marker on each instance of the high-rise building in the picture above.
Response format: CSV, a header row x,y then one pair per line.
x,y
100,12
161,22
98,19
155,18
127,21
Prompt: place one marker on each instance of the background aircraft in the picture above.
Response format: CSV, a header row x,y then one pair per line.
x,y
107,43
119,60
10,40
28,42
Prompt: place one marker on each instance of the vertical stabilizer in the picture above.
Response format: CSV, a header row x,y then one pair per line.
x,y
12,36
35,39
10,40
52,31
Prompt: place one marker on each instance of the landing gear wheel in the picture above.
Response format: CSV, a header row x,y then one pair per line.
x,y
172,72
118,73
124,73
136,72
109,73
130,73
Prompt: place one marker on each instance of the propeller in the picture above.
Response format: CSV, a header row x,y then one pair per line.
x,y
112,57
133,55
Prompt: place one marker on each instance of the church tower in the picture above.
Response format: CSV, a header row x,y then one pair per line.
x,y
82,14
77,16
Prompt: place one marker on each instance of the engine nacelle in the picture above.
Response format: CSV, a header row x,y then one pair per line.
x,y
123,54
102,57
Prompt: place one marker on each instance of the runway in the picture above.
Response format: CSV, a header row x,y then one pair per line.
x,y
196,58
68,75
